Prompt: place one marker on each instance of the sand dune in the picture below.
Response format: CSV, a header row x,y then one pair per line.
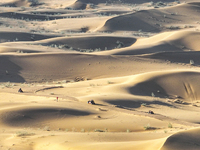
x,y
179,38
78,5
65,66
16,3
178,41
30,117
183,57
184,140
30,17
155,20
167,85
144,49
128,23
92,43
138,61
20,36
122,1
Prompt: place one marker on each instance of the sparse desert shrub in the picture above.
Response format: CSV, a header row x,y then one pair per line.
x,y
147,127
8,85
160,4
90,6
170,125
173,27
46,128
84,29
143,104
178,2
152,94
19,51
150,4
71,48
77,79
195,105
191,62
119,44
91,84
73,129
35,2
174,13
109,82
187,26
23,133
98,130
23,8
82,130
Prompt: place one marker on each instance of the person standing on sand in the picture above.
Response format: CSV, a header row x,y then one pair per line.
x,y
57,99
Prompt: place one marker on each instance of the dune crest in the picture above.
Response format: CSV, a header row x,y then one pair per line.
x,y
180,84
177,41
183,140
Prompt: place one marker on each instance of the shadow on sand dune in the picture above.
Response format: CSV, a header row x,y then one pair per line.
x,y
135,104
128,23
120,2
32,116
177,57
22,36
23,16
9,71
182,84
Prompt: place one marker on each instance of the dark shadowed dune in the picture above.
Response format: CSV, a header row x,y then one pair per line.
x,y
121,1
179,41
20,3
177,57
22,36
78,5
155,20
161,47
129,22
91,42
30,17
183,84
135,104
9,71
33,116
16,3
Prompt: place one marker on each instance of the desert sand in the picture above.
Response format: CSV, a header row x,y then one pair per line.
x,y
137,59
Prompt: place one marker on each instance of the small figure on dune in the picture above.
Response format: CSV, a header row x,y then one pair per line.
x,y
20,90
91,102
57,99
151,112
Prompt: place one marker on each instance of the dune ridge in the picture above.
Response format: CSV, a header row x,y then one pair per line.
x,y
177,41
155,20
184,140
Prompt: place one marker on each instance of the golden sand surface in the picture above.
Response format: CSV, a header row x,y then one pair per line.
x,y
137,59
